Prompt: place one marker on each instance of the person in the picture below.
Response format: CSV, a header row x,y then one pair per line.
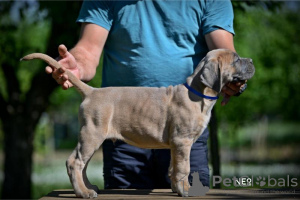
x,y
154,44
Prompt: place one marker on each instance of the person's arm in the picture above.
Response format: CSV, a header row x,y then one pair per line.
x,y
84,58
221,39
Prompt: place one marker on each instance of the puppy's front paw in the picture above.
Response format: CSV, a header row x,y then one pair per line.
x,y
183,193
173,187
88,194
94,187
182,188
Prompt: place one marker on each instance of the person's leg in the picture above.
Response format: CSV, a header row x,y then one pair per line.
x,y
126,166
161,162
198,163
199,159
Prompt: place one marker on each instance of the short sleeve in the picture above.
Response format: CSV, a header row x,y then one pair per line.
x,y
96,12
218,14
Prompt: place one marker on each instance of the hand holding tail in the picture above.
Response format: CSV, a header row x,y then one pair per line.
x,y
67,61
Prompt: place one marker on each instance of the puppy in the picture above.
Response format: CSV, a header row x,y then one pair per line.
x,y
148,117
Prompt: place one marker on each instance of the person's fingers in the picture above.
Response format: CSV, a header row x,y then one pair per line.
x,y
234,86
49,70
225,99
64,77
58,73
66,85
241,90
60,77
62,50
229,91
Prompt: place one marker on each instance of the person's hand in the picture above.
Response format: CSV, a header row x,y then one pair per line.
x,y
231,89
67,60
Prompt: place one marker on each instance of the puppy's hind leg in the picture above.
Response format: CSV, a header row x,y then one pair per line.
x,y
77,163
86,180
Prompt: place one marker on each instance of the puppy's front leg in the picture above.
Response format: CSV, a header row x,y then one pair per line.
x,y
180,152
170,174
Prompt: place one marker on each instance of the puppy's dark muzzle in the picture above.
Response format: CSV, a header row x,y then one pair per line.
x,y
246,71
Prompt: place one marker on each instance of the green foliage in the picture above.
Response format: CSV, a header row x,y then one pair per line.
x,y
20,37
44,135
271,39
36,36
275,134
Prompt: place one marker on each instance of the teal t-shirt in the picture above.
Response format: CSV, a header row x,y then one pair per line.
x,y
155,43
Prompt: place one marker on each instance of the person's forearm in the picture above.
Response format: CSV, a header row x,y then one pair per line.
x,y
86,62
220,39
87,51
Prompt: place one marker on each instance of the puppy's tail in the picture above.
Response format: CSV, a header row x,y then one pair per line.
x,y
82,88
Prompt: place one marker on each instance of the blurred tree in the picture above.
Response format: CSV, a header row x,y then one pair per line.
x,y
20,110
269,35
241,9
271,39
25,94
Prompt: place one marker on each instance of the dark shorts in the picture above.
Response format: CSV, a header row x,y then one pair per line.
x,y
129,167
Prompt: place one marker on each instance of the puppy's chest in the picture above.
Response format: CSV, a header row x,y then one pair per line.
x,y
198,122
193,119
197,126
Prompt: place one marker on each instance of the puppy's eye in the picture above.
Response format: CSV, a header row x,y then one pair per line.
x,y
236,59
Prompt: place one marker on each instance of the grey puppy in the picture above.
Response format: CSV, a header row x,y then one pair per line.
x,y
149,117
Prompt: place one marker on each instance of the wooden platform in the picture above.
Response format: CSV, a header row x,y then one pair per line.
x,y
167,194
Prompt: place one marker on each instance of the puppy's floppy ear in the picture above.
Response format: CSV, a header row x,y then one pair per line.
x,y
211,75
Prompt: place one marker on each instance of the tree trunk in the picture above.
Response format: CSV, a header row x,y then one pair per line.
x,y
18,159
214,145
20,116
19,122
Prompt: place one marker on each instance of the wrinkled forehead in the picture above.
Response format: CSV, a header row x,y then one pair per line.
x,y
224,55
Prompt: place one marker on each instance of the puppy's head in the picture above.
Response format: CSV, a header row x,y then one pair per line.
x,y
222,66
